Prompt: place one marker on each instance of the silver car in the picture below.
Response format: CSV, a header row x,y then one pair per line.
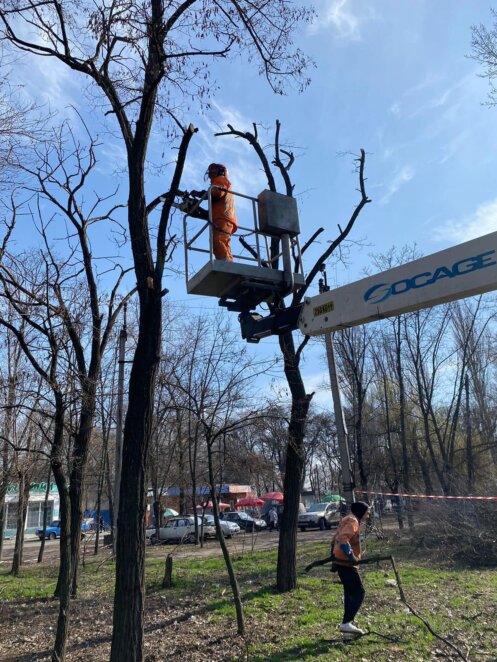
x,y
229,529
320,515
179,529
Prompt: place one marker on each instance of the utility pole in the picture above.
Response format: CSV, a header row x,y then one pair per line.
x,y
123,335
343,447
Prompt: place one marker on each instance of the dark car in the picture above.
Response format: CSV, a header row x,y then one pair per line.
x,y
245,522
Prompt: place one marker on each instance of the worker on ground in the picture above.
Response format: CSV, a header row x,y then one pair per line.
x,y
346,552
224,222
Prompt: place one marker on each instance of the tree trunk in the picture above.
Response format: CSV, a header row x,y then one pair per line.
x,y
181,472
98,508
286,579
127,638
78,466
63,590
45,516
423,465
237,598
363,474
7,435
402,419
167,581
470,472
22,510
3,492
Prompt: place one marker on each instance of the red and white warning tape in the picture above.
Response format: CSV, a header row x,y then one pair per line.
x,y
430,496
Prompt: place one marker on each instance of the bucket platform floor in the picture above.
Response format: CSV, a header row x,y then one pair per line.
x,y
242,284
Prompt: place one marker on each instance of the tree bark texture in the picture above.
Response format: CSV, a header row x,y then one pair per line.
x,y
63,590
286,575
167,582
127,639
237,598
45,517
3,492
402,416
79,462
22,511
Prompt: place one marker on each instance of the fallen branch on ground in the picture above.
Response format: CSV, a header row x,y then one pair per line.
x,y
375,559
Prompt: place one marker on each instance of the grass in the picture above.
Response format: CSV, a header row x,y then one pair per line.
x,y
459,604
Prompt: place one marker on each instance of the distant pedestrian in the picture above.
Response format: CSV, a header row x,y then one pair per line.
x,y
273,519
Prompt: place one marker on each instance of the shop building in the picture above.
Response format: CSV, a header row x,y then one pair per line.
x,y
36,503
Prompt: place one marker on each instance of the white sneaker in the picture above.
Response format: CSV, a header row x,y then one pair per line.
x,y
350,628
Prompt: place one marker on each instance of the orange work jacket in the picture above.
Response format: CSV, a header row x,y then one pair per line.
x,y
223,204
347,532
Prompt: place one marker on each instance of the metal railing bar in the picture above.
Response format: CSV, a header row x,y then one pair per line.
x,y
198,233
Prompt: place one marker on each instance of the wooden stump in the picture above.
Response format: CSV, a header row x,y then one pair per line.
x,y
167,582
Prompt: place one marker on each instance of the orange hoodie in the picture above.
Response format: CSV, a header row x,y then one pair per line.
x,y
347,532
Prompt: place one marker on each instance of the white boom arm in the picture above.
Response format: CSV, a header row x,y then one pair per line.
x,y
454,273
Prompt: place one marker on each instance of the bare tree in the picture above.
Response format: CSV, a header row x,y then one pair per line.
x,y
217,393
283,160
8,383
484,51
40,338
22,127
50,304
60,178
138,55
353,347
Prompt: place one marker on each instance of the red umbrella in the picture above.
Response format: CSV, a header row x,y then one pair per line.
x,y
208,504
250,501
273,496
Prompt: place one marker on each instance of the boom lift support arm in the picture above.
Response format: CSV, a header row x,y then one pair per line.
x,y
454,273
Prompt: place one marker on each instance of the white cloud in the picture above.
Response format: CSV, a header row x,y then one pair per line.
x,y
337,15
45,80
239,157
481,222
401,177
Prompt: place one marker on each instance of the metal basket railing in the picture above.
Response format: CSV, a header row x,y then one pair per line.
x,y
259,252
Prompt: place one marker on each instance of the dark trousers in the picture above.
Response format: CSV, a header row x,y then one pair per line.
x,y
353,591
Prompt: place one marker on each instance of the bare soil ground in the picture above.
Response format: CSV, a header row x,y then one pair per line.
x,y
175,626
194,621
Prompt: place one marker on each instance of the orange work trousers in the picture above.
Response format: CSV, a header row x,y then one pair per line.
x,y
221,239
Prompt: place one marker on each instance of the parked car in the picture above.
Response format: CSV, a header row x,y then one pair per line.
x,y
53,530
245,522
321,515
179,529
228,528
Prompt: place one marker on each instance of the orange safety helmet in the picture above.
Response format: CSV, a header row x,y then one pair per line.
x,y
217,170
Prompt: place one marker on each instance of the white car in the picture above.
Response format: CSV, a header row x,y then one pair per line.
x,y
179,529
229,529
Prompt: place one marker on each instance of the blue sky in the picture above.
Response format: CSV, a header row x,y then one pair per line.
x,y
392,77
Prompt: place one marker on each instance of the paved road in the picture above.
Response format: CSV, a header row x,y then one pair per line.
x,y
241,543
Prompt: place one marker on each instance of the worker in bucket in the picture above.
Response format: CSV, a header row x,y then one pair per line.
x,y
224,222
345,553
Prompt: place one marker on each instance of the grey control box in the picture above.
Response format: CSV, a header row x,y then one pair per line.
x,y
278,214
